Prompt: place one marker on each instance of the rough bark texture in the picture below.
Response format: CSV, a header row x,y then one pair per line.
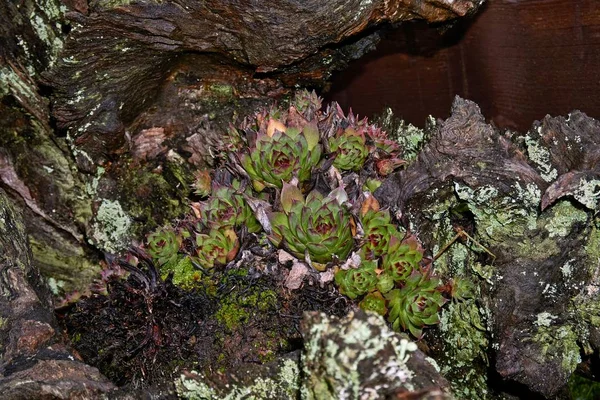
x,y
531,201
34,363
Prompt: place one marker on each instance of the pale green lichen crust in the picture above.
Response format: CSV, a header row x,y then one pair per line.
x,y
284,384
410,138
540,156
558,343
111,228
335,349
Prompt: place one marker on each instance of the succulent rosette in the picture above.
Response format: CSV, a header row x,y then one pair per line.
x,y
355,282
281,153
227,208
163,246
401,261
374,302
381,142
318,226
416,304
386,152
380,234
351,149
218,247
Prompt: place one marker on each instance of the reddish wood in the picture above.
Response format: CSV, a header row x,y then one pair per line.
x,y
520,60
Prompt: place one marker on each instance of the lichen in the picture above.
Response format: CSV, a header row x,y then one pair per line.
x,y
558,342
285,383
111,228
334,351
544,319
563,216
410,138
466,344
69,267
540,156
588,193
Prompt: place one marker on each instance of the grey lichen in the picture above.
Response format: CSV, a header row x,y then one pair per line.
x,y
111,228
558,343
410,138
334,350
540,156
466,343
284,384
563,216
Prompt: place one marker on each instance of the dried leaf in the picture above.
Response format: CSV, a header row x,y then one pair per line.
x,y
369,204
296,276
275,125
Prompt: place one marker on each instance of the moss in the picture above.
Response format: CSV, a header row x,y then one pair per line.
x,y
185,275
581,388
236,310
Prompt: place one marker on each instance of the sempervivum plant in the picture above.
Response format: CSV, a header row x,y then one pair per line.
x,y
385,151
227,208
163,246
317,226
350,148
355,282
217,247
401,261
280,152
380,234
416,304
374,302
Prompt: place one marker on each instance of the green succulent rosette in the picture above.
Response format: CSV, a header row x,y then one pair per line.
x,y
416,304
318,226
385,283
163,246
355,282
227,208
218,247
351,149
380,233
374,302
400,262
307,102
380,142
281,153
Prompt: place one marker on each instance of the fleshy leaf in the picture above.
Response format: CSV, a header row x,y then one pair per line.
x,y
290,195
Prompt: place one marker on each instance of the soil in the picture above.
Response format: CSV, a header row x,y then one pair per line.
x,y
144,335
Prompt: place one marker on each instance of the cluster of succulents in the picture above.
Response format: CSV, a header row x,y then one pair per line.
x,y
302,177
390,280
